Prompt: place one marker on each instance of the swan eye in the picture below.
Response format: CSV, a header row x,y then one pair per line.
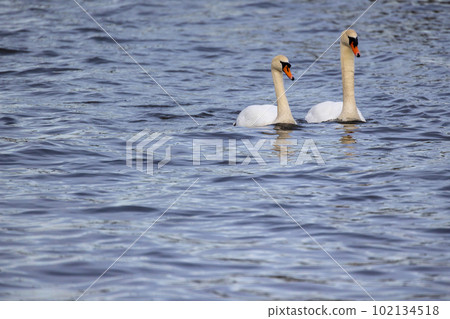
x,y
353,40
283,64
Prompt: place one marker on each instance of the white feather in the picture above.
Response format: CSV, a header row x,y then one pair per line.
x,y
257,115
327,111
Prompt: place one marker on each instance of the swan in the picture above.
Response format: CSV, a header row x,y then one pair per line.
x,y
262,115
341,111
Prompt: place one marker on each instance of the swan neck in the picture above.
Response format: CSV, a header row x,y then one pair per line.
x,y
284,114
349,109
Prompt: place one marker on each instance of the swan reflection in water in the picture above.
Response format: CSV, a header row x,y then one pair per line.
x,y
347,139
294,150
284,145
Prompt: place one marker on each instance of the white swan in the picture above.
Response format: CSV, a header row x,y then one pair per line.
x,y
262,115
341,111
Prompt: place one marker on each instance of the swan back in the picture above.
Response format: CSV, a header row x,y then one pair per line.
x,y
257,115
327,111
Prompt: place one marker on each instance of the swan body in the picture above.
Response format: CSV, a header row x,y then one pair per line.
x,y
257,115
345,111
262,115
327,111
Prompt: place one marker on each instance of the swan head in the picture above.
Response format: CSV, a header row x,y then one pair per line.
x,y
281,63
349,38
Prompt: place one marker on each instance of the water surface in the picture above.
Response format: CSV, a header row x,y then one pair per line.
x,y
70,98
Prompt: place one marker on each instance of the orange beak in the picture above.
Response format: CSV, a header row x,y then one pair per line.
x,y
288,72
355,50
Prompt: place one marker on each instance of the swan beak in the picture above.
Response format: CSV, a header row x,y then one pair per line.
x,y
288,72
355,50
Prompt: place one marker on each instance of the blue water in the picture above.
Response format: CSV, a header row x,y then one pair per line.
x,y
70,99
